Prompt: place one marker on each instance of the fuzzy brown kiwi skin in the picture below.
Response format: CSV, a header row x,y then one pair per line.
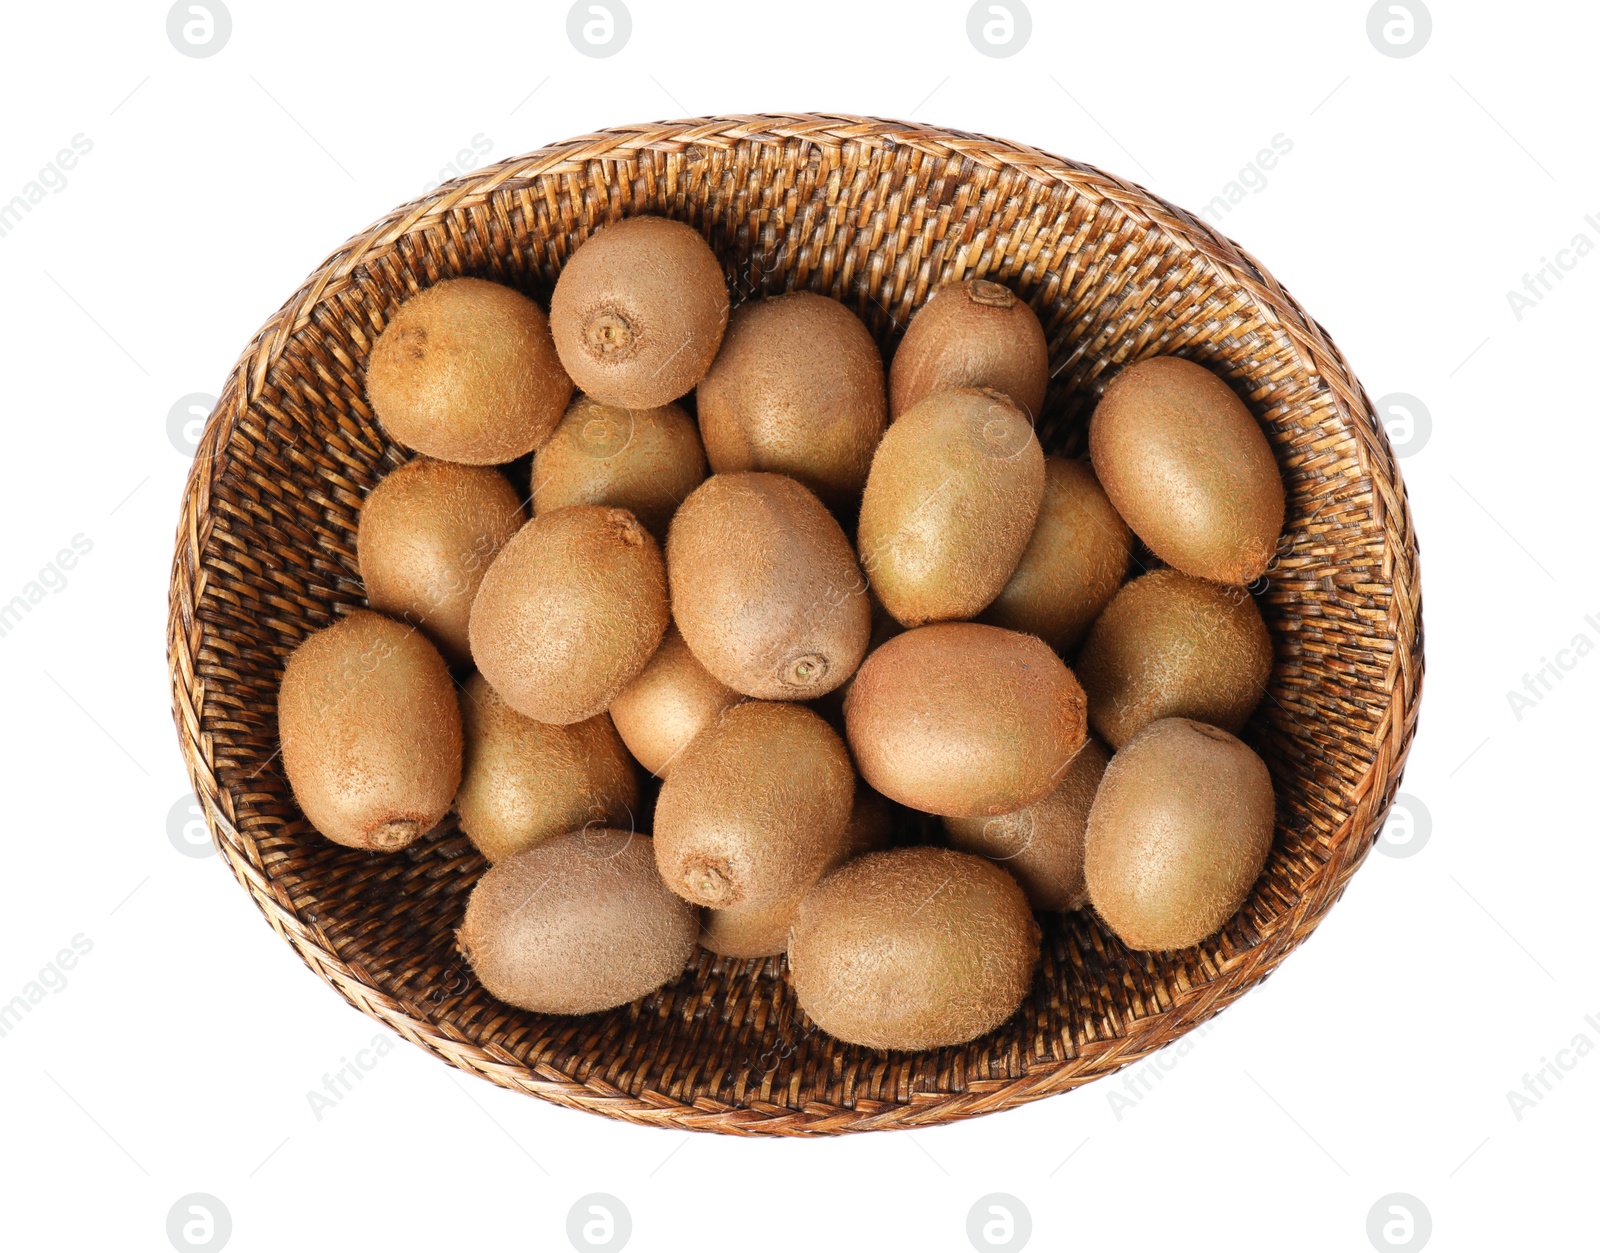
x,y
1189,468
1073,565
950,505
754,808
670,702
964,720
796,389
639,312
577,924
765,587
427,533
1041,846
642,460
1170,645
763,931
975,333
570,612
913,948
524,781
371,732
1179,832
466,371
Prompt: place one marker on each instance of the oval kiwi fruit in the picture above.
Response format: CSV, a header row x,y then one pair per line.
x,y
763,930
577,924
964,720
670,702
1188,467
371,732
1179,831
1074,562
1041,846
913,948
765,587
570,612
1172,646
949,505
642,460
972,334
639,311
797,389
523,782
755,807
426,536
466,371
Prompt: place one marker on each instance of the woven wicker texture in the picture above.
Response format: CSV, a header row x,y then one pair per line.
x,y
878,214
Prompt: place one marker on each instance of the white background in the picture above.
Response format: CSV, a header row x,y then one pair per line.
x,y
178,1056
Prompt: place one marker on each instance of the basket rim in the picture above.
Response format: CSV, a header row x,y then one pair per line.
x,y
1369,797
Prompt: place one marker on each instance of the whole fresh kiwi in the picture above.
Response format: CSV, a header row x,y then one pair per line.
x,y
1172,646
1042,845
673,698
796,389
642,460
1179,831
577,924
570,612
971,334
523,782
765,587
427,534
1073,564
763,930
754,807
638,312
466,371
913,948
949,505
370,730
1188,467
964,720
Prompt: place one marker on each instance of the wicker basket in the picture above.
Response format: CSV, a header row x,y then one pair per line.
x,y
877,214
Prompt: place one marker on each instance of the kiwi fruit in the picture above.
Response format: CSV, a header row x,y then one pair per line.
x,y
971,334
466,371
642,460
576,924
754,807
765,587
763,930
1041,846
913,948
964,720
1173,646
371,732
1179,831
426,536
570,612
884,627
639,311
949,506
524,781
673,698
1189,468
1074,562
796,389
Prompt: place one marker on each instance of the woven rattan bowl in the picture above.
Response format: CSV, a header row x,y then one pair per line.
x,y
877,214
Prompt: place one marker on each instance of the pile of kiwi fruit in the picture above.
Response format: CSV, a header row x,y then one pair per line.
x,y
713,632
